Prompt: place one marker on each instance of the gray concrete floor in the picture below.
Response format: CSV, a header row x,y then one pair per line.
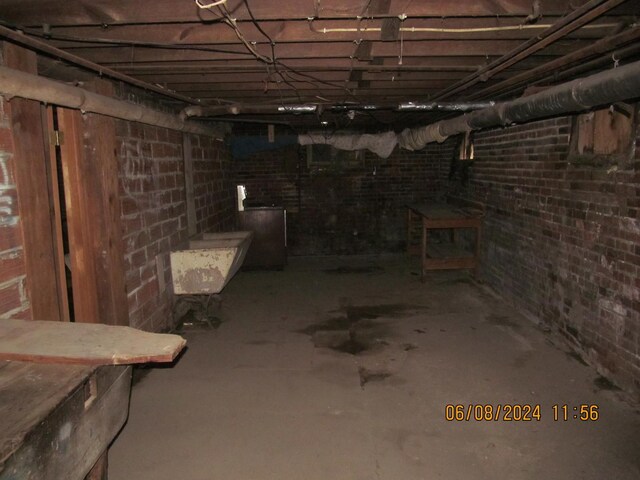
x,y
265,396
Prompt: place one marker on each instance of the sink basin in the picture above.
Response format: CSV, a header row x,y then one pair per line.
x,y
208,261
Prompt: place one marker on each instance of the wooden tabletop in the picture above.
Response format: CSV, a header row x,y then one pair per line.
x,y
443,211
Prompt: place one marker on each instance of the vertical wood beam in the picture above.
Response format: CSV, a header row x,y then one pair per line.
x,y
57,229
188,182
83,274
90,168
101,161
34,195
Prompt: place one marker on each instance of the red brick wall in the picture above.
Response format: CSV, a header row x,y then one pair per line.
x,y
152,192
13,297
561,239
213,188
355,210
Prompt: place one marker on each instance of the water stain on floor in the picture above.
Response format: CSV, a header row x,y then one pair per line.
x,y
367,376
358,329
577,357
501,320
603,383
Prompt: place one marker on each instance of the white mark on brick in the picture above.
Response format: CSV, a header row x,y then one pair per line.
x,y
5,169
65,432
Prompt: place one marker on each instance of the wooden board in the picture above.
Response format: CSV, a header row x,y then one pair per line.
x,y
89,166
83,343
188,185
443,211
34,201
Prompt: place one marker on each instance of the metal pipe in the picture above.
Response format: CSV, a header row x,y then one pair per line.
x,y
444,106
14,83
25,41
617,84
237,109
600,47
576,19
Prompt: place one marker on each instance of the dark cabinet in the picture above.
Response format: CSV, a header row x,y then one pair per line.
x,y
268,248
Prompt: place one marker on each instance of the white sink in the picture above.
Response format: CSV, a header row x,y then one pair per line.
x,y
208,262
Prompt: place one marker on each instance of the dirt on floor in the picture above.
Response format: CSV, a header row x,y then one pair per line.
x,y
351,368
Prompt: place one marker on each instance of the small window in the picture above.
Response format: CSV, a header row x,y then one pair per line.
x,y
605,132
328,158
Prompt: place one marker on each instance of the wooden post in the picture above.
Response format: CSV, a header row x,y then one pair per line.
x,y
409,231
90,169
424,251
34,196
476,270
192,227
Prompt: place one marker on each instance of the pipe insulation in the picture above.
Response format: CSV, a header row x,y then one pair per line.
x,y
14,83
614,85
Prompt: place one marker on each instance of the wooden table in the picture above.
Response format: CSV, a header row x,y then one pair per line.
x,y
64,394
444,216
56,421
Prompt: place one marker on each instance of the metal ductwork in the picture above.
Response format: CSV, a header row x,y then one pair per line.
x,y
14,83
615,85
237,109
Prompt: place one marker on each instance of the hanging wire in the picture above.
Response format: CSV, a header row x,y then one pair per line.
x,y
210,5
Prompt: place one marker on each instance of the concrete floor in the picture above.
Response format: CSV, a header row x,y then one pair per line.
x,y
265,396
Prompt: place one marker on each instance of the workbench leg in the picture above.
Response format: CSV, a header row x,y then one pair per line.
x,y
99,470
424,253
454,236
409,218
476,270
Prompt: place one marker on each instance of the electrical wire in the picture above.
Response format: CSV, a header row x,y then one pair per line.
x,y
210,5
539,26
130,43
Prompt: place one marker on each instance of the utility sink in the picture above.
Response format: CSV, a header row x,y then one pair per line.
x,y
207,263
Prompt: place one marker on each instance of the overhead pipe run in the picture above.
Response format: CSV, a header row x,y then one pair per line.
x,y
238,109
14,83
578,18
43,47
615,85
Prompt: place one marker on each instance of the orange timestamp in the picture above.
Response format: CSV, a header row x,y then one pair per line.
x,y
518,412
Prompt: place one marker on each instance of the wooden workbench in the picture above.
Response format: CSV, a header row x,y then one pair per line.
x,y
56,421
444,216
64,394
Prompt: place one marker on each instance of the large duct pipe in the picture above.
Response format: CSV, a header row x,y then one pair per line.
x,y
14,83
237,109
615,85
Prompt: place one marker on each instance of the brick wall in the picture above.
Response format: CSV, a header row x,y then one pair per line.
x,y
561,238
357,209
13,297
214,190
153,200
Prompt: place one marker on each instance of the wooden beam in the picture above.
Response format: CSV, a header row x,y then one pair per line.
x,y
469,63
305,31
115,12
188,183
93,210
77,195
316,51
56,215
100,151
34,195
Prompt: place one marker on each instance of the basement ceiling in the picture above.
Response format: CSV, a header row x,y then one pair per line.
x,y
357,64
